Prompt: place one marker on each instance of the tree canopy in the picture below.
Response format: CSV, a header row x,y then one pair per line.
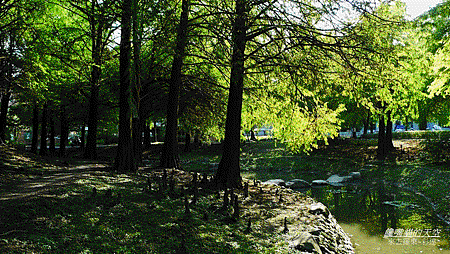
x,y
305,68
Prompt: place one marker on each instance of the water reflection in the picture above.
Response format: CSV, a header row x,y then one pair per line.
x,y
367,210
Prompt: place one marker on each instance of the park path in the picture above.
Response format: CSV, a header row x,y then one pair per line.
x,y
26,187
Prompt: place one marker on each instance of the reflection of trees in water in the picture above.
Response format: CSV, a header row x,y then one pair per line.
x,y
376,206
387,212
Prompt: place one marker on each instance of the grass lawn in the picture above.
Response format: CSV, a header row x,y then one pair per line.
x,y
48,206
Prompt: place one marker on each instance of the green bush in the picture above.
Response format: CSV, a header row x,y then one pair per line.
x,y
421,135
416,135
106,138
437,147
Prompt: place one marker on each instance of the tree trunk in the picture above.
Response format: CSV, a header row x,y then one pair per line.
x,y
125,159
406,123
366,124
137,140
147,140
155,132
381,152
52,147
34,140
197,142
252,135
228,174
43,150
169,157
6,96
97,24
423,121
138,123
91,144
3,115
388,139
187,142
354,133
83,137
64,132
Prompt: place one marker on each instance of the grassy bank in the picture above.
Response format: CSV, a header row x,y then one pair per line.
x,y
53,209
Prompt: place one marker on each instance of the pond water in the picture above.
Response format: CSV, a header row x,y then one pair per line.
x,y
382,218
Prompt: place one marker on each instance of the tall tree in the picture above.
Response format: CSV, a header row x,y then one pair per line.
x,y
289,50
433,28
6,75
52,144
3,114
125,159
138,121
44,121
100,16
169,157
7,61
228,173
389,77
64,138
379,81
34,139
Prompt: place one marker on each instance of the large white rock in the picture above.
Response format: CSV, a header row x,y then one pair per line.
x,y
315,183
336,180
355,175
279,182
319,208
298,184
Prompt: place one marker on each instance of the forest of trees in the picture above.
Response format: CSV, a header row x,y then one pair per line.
x,y
216,69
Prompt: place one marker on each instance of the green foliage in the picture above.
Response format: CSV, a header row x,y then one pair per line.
x,y
432,29
432,135
296,80
379,82
301,129
296,109
437,147
354,115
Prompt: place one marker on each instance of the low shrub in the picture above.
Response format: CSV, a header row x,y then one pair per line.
x,y
437,147
415,135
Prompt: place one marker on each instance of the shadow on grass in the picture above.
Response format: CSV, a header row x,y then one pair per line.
x,y
69,219
265,159
57,214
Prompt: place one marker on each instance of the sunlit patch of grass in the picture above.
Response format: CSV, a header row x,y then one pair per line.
x,y
415,221
69,220
140,222
17,161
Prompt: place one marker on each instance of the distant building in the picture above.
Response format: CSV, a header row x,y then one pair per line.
x,y
263,131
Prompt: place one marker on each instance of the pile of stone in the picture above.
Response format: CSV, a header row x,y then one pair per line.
x,y
323,235
330,234
334,180
308,225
